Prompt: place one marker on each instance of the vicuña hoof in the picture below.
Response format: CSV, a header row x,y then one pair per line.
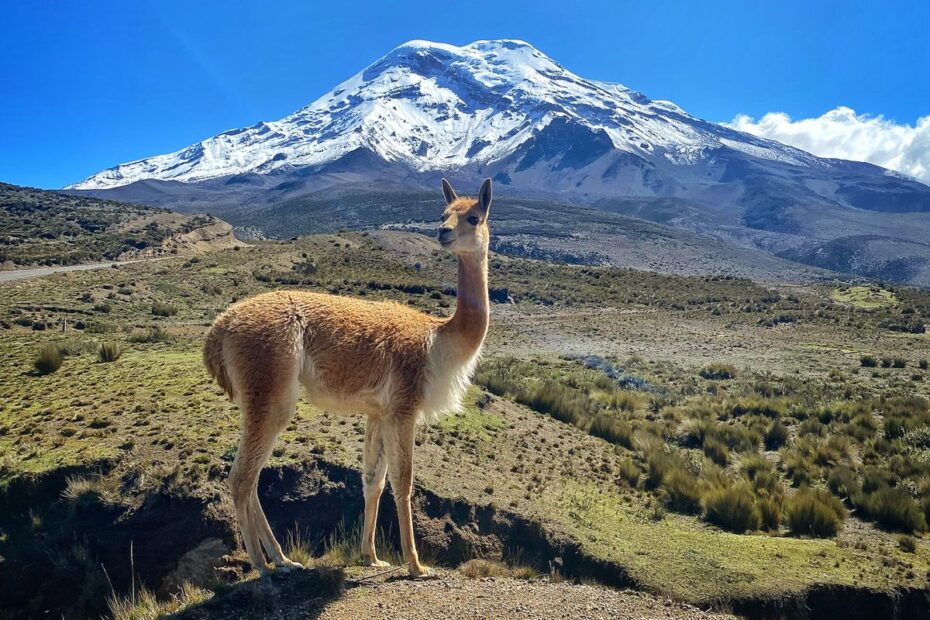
x,y
286,566
420,572
379,564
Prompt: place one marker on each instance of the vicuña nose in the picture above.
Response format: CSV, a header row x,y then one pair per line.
x,y
445,232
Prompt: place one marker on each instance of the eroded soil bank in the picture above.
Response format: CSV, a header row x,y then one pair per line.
x,y
63,557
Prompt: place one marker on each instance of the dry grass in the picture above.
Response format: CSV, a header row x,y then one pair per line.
x,y
144,605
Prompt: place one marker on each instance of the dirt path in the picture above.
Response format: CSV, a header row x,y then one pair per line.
x,y
38,272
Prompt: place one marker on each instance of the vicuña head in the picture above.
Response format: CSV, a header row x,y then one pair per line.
x,y
394,364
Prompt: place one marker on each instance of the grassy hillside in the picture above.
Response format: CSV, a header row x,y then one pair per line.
x,y
709,439
39,228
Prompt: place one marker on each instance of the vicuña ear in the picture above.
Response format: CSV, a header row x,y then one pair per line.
x,y
484,197
448,192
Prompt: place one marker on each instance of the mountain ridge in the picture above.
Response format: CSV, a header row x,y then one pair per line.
x,y
503,109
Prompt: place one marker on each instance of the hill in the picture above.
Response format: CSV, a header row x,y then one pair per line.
x,y
42,228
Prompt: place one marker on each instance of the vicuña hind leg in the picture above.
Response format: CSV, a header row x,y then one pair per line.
x,y
398,441
374,469
262,422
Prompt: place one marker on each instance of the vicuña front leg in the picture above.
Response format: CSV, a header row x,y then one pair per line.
x,y
398,439
374,468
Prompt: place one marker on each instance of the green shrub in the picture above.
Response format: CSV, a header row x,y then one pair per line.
x,y
893,509
103,307
109,351
681,491
868,361
907,544
718,372
923,364
776,435
731,508
893,427
814,513
48,360
162,309
898,362
918,438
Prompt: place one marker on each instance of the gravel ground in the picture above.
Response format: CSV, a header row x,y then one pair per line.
x,y
449,595
452,596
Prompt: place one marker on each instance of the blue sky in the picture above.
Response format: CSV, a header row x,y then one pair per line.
x,y
86,85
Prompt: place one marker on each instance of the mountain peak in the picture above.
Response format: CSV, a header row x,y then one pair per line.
x,y
435,106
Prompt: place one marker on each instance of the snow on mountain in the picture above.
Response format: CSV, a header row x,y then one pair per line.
x,y
433,106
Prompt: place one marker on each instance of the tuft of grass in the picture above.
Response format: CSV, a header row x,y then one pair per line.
x,y
629,472
344,548
892,508
155,334
868,361
84,491
610,428
480,569
109,351
716,450
731,508
298,548
718,372
770,510
682,491
907,544
163,309
814,513
48,360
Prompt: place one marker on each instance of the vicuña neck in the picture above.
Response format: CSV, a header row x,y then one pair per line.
x,y
469,324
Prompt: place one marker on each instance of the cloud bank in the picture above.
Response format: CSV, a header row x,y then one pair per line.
x,y
843,134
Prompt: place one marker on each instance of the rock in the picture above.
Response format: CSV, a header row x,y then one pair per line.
x,y
198,566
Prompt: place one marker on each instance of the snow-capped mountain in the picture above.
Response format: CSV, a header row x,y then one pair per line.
x,y
433,106
504,109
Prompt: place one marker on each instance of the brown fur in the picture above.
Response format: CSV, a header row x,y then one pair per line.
x,y
382,359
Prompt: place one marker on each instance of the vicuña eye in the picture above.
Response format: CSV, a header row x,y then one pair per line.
x,y
474,221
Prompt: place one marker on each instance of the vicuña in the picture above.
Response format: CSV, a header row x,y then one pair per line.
x,y
394,364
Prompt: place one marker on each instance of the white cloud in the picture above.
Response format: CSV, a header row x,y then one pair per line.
x,y
843,134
